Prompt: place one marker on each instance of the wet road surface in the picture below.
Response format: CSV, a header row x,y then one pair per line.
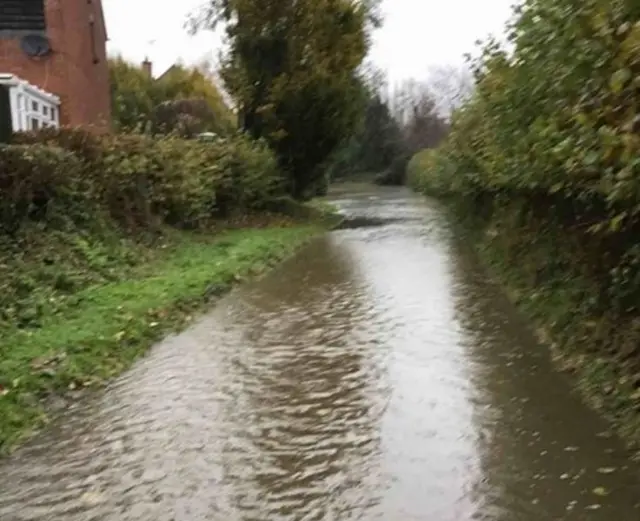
x,y
378,375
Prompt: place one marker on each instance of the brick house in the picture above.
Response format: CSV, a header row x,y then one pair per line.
x,y
53,64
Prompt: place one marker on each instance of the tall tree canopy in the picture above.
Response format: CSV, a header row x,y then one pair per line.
x,y
291,67
131,94
377,143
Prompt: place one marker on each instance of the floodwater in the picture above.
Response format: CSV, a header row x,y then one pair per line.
x,y
378,375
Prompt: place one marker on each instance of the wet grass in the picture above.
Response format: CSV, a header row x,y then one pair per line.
x,y
100,330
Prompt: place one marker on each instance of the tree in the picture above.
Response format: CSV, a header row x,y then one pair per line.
x,y
416,108
377,143
186,117
183,99
450,86
196,85
291,68
131,94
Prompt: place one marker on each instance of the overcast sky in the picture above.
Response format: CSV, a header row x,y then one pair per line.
x,y
416,33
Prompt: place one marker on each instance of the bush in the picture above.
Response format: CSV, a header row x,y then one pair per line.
x,y
38,182
137,180
559,115
431,172
547,154
78,209
555,125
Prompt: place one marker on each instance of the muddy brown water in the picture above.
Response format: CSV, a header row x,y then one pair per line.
x,y
377,375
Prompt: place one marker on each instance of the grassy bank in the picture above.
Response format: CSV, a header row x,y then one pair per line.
x,y
542,268
108,242
98,331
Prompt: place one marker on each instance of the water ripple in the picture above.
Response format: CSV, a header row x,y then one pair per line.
x,y
376,376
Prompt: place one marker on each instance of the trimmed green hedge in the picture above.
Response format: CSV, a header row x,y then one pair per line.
x,y
136,180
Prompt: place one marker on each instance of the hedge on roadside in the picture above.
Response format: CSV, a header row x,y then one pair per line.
x,y
554,127
545,159
137,180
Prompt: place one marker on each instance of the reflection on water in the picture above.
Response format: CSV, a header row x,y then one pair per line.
x,y
376,376
306,422
544,454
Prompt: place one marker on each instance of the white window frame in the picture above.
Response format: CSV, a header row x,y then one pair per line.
x,y
23,96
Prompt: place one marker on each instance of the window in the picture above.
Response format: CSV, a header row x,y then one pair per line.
x,y
45,110
53,115
22,16
34,106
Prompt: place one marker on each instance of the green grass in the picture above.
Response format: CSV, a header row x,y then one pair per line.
x,y
104,328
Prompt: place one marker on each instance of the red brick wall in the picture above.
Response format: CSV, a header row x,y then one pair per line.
x,y
69,71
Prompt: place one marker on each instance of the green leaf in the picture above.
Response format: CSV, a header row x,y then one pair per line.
x,y
619,80
556,188
616,222
591,158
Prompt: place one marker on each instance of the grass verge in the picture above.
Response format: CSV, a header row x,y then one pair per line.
x,y
105,327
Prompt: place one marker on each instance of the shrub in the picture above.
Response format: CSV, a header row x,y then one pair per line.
x,y
559,115
431,171
551,138
136,180
75,209
39,183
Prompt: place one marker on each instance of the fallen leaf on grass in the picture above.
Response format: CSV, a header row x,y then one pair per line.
x,y
45,362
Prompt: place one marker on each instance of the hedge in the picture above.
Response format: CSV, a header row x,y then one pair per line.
x,y
546,158
136,180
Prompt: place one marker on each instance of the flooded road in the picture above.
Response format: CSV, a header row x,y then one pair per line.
x,y
378,375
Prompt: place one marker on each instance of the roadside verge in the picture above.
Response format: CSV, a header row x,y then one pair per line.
x,y
104,328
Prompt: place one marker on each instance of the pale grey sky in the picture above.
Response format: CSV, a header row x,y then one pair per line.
x,y
416,35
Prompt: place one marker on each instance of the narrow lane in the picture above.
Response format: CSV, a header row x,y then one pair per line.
x,y
378,375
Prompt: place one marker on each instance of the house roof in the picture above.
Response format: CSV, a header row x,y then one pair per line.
x,y
11,80
22,15
167,72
